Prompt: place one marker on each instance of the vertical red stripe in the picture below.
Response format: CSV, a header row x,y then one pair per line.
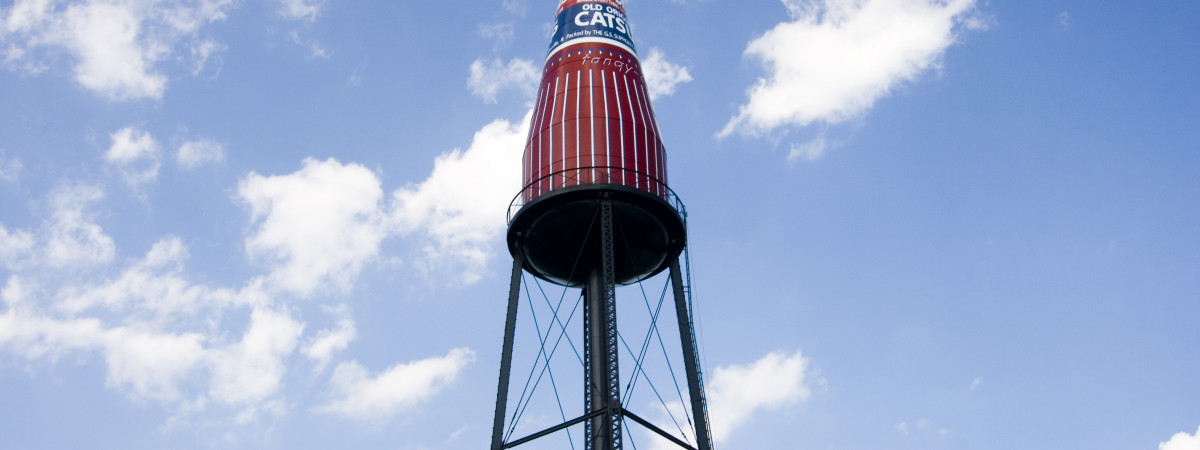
x,y
608,162
616,90
592,122
562,134
632,136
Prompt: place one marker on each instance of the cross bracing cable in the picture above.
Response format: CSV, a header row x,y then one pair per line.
x,y
646,342
652,388
542,354
556,319
663,346
628,435
523,402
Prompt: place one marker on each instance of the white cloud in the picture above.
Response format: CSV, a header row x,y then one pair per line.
x,y
487,79
320,224
325,222
1182,441
112,60
835,58
360,396
155,285
165,339
115,45
131,144
661,75
137,155
321,347
301,9
145,363
248,372
150,364
194,154
462,206
34,336
74,239
735,393
160,356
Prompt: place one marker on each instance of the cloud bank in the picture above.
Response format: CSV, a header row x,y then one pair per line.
x,y
201,349
115,47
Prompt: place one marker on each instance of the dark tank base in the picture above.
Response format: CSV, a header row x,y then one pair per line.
x,y
559,234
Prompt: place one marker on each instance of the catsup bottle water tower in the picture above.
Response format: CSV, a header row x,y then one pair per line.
x,y
596,211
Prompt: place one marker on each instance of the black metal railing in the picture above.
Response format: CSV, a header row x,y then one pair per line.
x,y
596,176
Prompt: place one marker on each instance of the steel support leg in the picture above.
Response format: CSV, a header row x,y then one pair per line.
x,y
602,379
687,336
510,327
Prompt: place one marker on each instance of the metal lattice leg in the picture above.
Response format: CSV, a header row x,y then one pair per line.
x,y
510,327
602,378
687,336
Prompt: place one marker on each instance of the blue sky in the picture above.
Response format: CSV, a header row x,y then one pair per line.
x,y
953,224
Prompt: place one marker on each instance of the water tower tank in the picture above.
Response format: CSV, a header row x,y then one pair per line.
x,y
594,137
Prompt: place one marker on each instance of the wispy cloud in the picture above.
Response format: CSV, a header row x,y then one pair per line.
x,y
809,151
315,49
519,7
300,9
488,79
14,246
500,34
194,154
976,383
10,168
921,426
375,398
